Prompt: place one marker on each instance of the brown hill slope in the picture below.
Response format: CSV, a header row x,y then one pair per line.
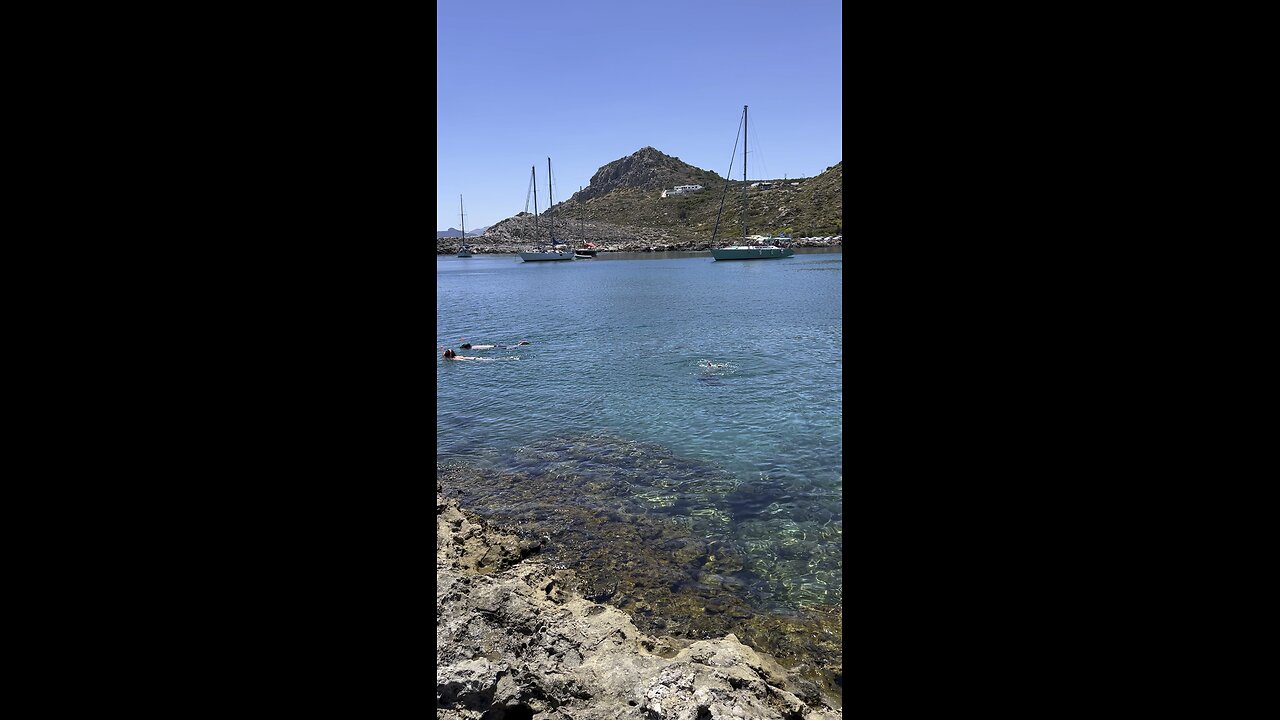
x,y
645,169
623,207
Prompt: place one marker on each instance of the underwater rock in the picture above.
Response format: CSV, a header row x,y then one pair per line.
x,y
515,639
599,520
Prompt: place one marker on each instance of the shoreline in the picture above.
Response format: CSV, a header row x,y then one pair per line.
x,y
449,246
516,636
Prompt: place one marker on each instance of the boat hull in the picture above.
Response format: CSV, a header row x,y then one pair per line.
x,y
545,256
751,253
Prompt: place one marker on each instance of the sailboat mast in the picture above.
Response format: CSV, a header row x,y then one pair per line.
x,y
744,174
551,207
463,219
533,180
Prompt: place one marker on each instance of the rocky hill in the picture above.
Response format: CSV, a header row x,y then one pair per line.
x,y
645,169
623,209
455,232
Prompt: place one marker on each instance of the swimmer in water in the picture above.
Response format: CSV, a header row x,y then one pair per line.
x,y
449,354
469,346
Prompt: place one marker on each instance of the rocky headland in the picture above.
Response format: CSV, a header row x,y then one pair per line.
x,y
516,638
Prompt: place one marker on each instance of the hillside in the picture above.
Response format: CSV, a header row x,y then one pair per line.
x,y
645,169
623,205
455,232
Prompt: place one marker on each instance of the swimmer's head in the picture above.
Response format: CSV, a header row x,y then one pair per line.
x,y
450,353
464,346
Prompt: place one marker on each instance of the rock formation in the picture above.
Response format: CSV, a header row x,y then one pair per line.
x,y
515,639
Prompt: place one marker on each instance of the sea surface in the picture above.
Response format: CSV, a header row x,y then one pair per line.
x,y
672,429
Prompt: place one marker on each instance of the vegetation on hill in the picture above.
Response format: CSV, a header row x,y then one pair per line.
x,y
624,203
628,192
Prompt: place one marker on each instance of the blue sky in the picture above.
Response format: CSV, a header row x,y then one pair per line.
x,y
586,83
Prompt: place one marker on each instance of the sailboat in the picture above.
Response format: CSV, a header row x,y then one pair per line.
x,y
464,250
762,250
542,252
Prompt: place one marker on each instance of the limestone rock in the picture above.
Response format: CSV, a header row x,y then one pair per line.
x,y
515,639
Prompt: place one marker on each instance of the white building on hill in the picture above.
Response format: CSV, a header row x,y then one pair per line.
x,y
681,190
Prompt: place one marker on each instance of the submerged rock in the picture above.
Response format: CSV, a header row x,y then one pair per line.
x,y
515,638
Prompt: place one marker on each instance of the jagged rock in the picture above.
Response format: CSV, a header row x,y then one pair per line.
x,y
514,638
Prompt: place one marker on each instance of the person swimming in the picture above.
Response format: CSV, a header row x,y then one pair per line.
x,y
469,346
488,346
449,354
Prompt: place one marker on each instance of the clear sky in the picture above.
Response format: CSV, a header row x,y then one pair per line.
x,y
586,82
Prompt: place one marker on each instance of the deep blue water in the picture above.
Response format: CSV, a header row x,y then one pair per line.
x,y
729,371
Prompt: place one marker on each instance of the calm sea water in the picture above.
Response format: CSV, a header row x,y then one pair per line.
x,y
707,393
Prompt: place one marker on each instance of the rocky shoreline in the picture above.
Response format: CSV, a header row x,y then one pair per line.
x,y
449,246
515,638
511,236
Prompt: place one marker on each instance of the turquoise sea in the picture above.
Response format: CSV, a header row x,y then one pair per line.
x,y
673,419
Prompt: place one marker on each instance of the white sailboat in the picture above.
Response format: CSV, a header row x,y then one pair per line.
x,y
542,252
762,250
464,250
586,249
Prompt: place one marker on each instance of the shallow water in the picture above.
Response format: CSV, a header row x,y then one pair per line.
x,y
672,412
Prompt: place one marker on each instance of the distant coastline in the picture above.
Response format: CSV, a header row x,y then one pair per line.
x,y
479,246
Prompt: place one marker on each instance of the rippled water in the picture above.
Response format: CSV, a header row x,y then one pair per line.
x,y
663,387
